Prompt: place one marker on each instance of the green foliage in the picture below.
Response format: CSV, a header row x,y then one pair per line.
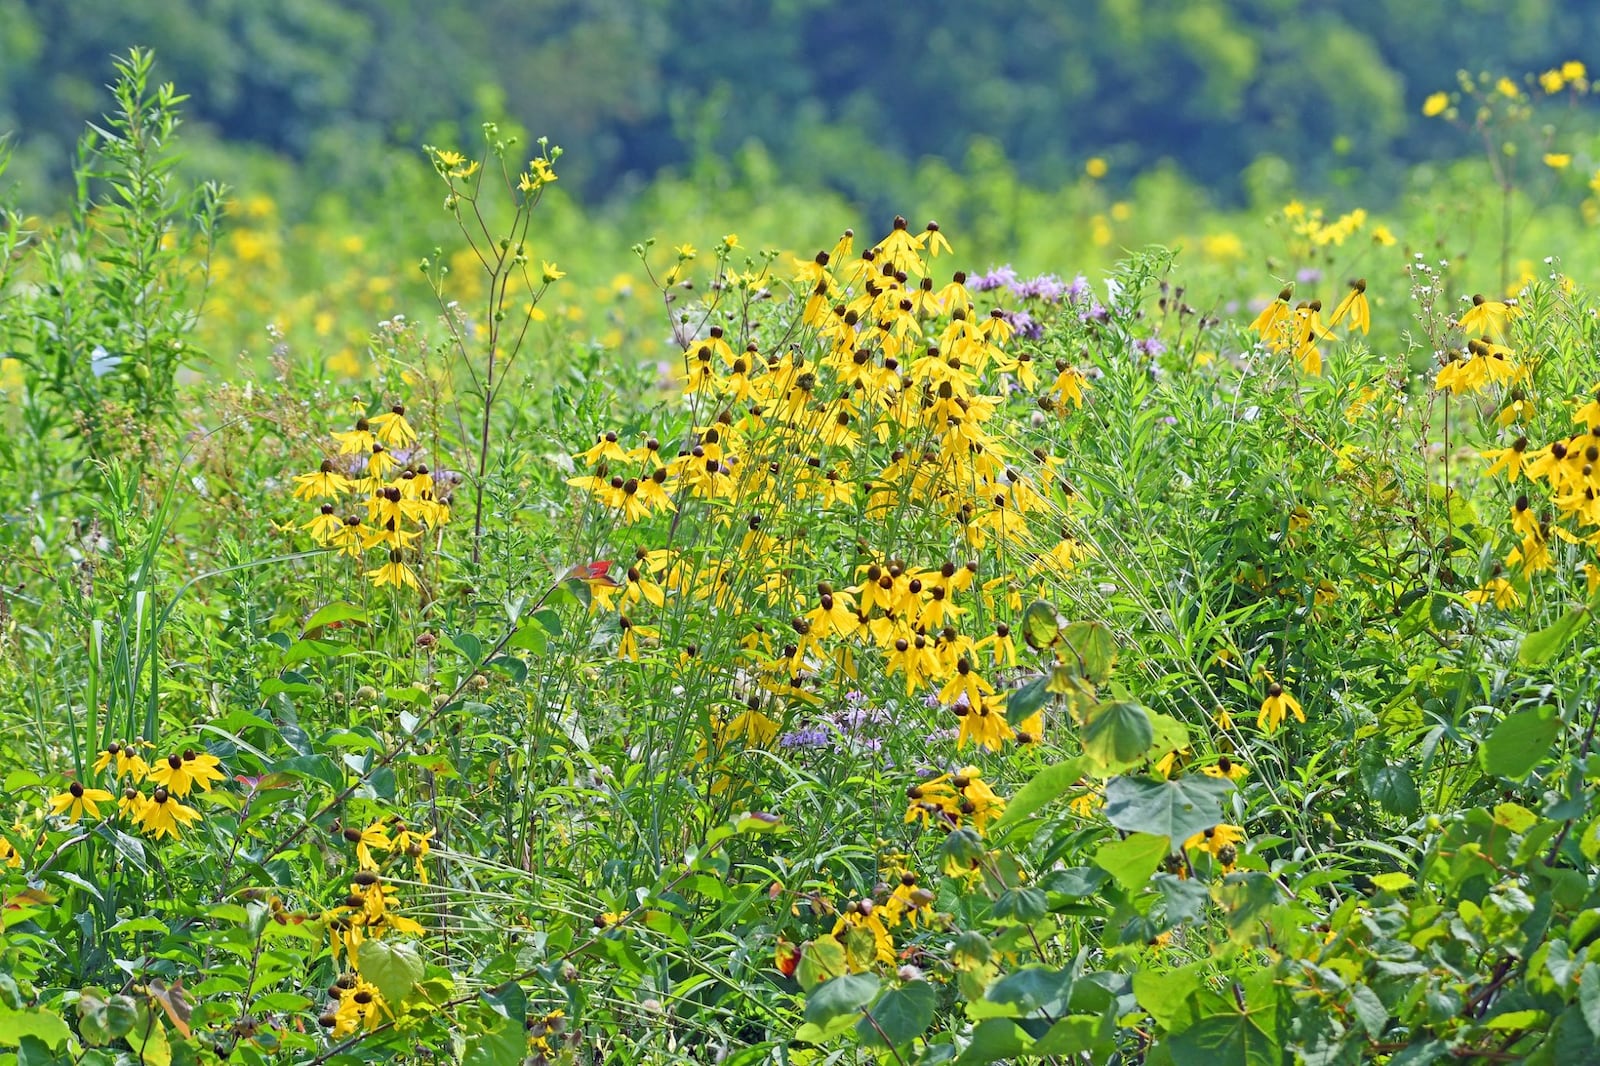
x,y
878,670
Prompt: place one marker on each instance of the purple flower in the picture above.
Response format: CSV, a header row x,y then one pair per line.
x,y
1308,275
1096,313
1077,289
1150,347
994,279
1046,287
806,738
1023,324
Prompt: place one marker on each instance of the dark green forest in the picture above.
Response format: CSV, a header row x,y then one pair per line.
x,y
842,95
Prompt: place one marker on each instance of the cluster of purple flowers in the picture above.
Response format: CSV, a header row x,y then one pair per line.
x,y
1048,288
854,725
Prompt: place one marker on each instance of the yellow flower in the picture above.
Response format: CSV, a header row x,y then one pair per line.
x,y
1435,104
164,816
1222,841
1096,168
395,572
180,774
324,482
551,272
77,801
1225,768
1507,88
129,762
1381,235
1498,591
1276,707
1355,306
1557,160
1572,70
373,836
1552,82
393,429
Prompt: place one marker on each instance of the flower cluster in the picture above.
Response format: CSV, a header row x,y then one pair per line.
x,y
1565,472
393,500
1300,331
869,415
161,812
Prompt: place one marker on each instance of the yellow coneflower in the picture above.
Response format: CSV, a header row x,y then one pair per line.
x,y
77,801
325,481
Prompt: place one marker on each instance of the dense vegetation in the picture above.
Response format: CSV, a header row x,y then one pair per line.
x,y
841,95
505,637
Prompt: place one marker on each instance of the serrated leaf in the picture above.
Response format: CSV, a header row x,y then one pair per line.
x,y
1133,860
899,1016
1117,734
392,967
842,996
1091,648
1177,809
821,960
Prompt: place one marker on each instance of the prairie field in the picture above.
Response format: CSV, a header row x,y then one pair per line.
x,y
914,593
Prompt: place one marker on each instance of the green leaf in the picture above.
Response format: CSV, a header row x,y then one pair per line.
x,y
530,637
1040,625
102,1018
1178,808
994,1039
1539,648
302,650
1165,994
149,1038
1393,788
468,645
1027,700
1117,734
1032,989
1047,785
1369,1010
1245,898
1133,860
317,767
822,959
1078,1035
1090,646
1520,742
335,612
902,1014
41,1024
1235,1039
507,1042
392,967
841,997
1589,997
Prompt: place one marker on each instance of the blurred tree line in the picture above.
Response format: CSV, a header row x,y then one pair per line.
x,y
839,93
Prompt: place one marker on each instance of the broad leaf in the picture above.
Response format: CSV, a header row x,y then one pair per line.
x,y
1178,809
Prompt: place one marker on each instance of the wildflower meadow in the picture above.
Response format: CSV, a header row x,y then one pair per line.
x,y
529,636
